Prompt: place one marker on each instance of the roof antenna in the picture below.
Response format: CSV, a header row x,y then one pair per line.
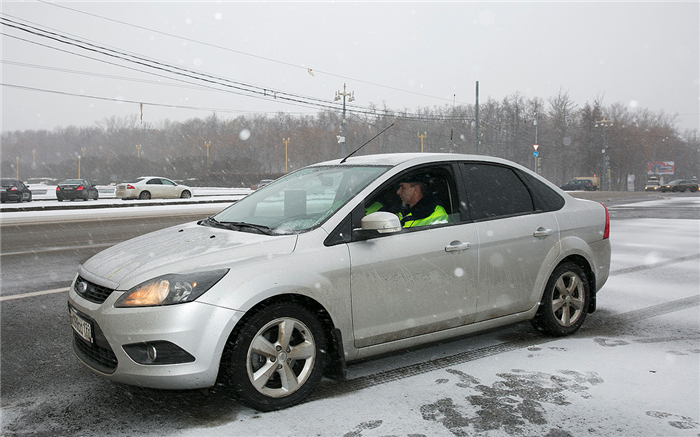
x,y
385,129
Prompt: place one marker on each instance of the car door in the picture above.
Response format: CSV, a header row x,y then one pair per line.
x,y
155,187
170,189
416,281
516,237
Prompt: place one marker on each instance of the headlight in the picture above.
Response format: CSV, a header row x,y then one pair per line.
x,y
170,289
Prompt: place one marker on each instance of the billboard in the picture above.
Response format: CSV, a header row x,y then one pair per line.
x,y
661,167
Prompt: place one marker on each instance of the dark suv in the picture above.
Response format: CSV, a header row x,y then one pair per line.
x,y
578,184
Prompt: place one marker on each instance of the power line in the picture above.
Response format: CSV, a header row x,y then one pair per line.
x,y
244,53
244,89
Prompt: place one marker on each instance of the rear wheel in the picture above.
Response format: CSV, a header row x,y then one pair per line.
x,y
145,195
276,359
564,304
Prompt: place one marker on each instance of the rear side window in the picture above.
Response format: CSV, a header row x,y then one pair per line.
x,y
495,191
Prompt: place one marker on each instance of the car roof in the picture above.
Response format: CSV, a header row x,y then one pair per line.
x,y
395,159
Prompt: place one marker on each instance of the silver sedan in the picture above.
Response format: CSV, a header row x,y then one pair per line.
x,y
328,265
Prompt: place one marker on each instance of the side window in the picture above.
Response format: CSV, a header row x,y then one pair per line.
x,y
154,182
549,200
495,191
167,182
438,203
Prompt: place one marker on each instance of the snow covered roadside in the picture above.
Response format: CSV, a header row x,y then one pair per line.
x,y
632,370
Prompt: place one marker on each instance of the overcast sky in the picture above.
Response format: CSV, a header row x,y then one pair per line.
x,y
404,55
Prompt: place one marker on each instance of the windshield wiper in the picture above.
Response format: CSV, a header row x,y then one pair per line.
x,y
234,226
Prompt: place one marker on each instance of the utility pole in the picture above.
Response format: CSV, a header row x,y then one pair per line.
x,y
425,134
605,123
476,119
138,151
78,166
351,98
286,160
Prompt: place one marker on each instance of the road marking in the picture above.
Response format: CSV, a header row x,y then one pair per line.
x,y
59,249
32,294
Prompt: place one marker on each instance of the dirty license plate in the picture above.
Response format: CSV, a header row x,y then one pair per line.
x,y
81,326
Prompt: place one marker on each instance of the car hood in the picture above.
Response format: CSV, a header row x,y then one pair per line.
x,y
180,249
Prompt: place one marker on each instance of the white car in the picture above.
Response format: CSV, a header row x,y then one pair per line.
x,y
300,277
152,187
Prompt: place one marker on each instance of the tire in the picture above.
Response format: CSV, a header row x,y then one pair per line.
x,y
144,195
565,301
694,189
185,195
259,347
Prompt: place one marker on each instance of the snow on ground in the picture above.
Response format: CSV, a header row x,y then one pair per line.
x,y
632,370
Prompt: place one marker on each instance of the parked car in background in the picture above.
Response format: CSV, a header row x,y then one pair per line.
x,y
15,191
152,187
261,184
679,185
299,277
578,185
72,189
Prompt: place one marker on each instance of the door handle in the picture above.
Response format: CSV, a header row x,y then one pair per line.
x,y
457,246
542,232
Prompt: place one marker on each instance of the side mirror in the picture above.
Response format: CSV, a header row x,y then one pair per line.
x,y
382,222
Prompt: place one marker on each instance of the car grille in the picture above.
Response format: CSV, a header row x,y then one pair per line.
x,y
100,358
98,354
93,292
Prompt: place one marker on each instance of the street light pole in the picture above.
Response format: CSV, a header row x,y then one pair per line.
x,y
351,98
286,160
138,151
207,143
605,123
425,134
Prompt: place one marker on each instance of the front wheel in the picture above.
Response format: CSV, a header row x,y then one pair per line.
x,y
185,195
277,357
564,304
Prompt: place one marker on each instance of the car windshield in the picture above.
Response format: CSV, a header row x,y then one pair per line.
x,y
297,202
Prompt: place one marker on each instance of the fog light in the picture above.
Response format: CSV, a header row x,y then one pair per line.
x,y
157,352
152,352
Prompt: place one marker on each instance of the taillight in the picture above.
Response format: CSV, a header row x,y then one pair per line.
x,y
606,232
58,188
13,189
80,188
130,187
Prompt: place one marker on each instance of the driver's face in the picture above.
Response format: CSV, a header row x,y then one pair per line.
x,y
407,192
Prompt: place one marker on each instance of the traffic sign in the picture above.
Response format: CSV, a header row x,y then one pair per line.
x,y
535,153
535,146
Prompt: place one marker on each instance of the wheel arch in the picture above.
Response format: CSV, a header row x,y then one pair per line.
x,y
583,263
335,366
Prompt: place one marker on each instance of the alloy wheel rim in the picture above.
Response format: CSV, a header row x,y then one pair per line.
x,y
281,357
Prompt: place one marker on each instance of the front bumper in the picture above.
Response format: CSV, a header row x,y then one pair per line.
x,y
191,329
